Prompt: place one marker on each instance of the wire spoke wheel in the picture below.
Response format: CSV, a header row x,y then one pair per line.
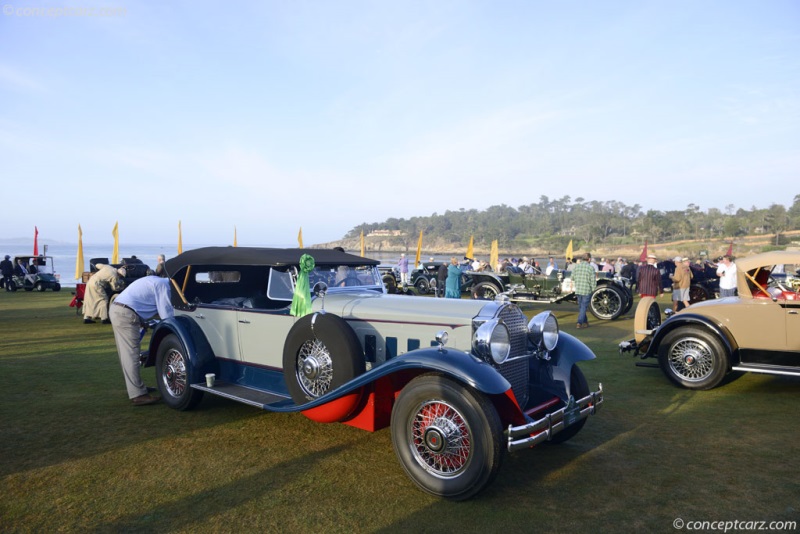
x,y
448,437
174,375
440,438
691,359
314,368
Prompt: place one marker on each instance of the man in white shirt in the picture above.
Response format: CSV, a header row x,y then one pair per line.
x,y
140,301
726,270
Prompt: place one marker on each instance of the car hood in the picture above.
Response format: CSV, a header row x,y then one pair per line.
x,y
402,308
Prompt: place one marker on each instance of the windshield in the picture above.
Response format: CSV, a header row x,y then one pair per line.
x,y
344,276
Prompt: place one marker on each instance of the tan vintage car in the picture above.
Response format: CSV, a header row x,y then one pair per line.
x,y
757,331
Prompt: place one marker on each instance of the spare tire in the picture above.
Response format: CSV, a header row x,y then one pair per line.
x,y
321,353
648,317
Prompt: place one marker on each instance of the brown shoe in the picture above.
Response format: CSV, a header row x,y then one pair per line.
x,y
585,325
144,400
579,325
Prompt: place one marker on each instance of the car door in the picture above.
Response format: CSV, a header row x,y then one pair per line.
x,y
219,324
767,331
262,330
262,335
792,310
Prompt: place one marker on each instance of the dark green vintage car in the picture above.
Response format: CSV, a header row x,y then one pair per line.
x,y
611,298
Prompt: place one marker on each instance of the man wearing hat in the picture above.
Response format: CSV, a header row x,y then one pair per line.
x,y
102,284
649,278
7,269
681,280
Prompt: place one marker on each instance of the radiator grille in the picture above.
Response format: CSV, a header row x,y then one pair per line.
x,y
516,371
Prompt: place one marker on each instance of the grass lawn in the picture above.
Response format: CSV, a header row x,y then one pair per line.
x,y
76,456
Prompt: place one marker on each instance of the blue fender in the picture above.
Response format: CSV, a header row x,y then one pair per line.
x,y
684,319
553,377
198,350
458,365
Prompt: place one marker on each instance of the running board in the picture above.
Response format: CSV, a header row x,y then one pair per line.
x,y
253,397
765,370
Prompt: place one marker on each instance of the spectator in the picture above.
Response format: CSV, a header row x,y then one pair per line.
x,y
7,269
681,281
402,264
441,279
584,277
453,282
102,284
160,269
551,265
648,279
593,263
140,301
608,267
726,270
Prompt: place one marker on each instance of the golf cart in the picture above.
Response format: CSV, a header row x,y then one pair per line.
x,y
34,272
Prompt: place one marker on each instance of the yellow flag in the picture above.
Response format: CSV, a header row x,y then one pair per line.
x,y
300,238
234,236
180,239
568,253
79,261
470,252
363,248
115,233
494,256
419,249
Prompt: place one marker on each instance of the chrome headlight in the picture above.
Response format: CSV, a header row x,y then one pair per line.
x,y
491,340
543,331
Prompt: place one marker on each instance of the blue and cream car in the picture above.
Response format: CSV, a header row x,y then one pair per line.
x,y
459,382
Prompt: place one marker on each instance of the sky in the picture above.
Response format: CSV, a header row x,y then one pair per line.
x,y
266,117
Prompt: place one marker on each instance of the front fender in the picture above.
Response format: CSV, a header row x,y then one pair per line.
x,y
198,350
478,277
458,365
553,377
722,333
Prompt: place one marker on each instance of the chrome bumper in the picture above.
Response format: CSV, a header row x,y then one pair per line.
x,y
550,425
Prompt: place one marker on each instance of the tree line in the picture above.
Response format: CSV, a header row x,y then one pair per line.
x,y
551,224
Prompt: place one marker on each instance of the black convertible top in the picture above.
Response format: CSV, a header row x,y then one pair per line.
x,y
275,257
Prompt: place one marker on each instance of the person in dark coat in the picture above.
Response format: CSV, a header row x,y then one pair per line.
x,y
7,268
441,279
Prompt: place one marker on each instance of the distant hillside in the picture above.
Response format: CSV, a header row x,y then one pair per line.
x,y
549,226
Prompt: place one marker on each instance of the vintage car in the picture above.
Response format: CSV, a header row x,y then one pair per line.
x,y
424,279
39,274
611,298
460,382
705,282
756,331
390,275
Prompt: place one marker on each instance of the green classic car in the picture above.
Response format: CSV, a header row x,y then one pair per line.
x,y
611,298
